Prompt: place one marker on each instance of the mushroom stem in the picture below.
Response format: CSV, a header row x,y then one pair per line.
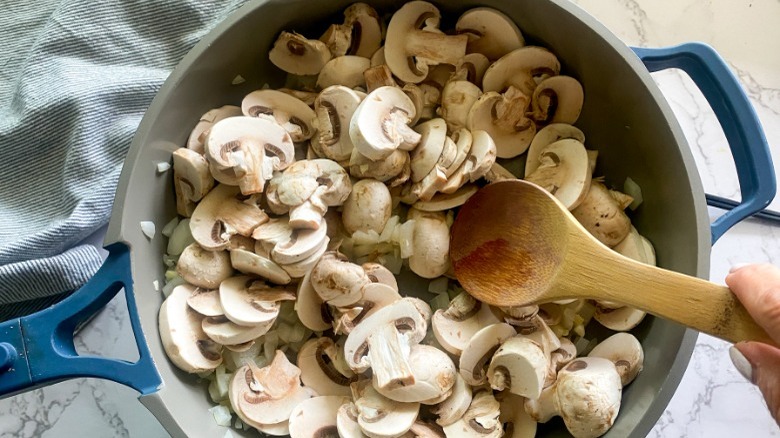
x,y
510,111
388,352
436,48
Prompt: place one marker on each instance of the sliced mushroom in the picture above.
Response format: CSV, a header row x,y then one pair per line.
x,y
375,297
431,98
601,215
498,172
557,99
300,268
503,116
251,263
306,96
222,213
636,247
380,124
521,68
480,348
425,156
347,422
547,136
381,76
301,244
205,301
564,172
517,422
519,366
312,311
223,331
368,207
366,29
338,38
203,268
316,360
183,339
298,55
465,316
432,183
380,417
378,58
344,70
192,179
276,230
396,167
197,138
471,68
490,32
316,417
379,274
334,108
337,281
431,243
434,375
447,201
621,319
625,351
457,98
249,302
294,115
413,42
479,420
452,409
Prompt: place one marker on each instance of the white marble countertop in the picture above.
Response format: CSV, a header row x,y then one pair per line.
x,y
713,400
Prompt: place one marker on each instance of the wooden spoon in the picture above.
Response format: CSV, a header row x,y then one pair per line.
x,y
514,244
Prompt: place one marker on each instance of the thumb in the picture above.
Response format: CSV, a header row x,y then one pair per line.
x,y
762,368
758,288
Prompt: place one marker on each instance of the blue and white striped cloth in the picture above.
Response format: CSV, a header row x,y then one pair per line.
x,y
75,79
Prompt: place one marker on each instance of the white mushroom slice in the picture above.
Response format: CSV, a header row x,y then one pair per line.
x,y
432,183
503,116
547,136
457,98
316,417
222,214
481,158
275,231
380,417
557,99
192,179
306,96
251,263
463,141
431,243
410,48
378,58
366,29
298,55
452,409
347,422
471,68
379,274
519,366
380,124
338,38
498,172
313,313
490,32
561,357
465,316
344,70
205,301
517,422
636,247
299,269
301,244
621,319
434,375
249,302
519,68
277,429
395,169
223,331
564,172
479,420
381,76
433,134
316,360
203,268
431,99
368,207
197,138
294,115
183,339
625,351
447,201
601,215
375,297
337,281
334,108
480,348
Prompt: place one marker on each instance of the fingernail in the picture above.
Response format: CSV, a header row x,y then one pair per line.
x,y
741,363
737,266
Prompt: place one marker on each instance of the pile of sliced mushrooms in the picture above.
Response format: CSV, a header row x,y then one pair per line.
x,y
298,210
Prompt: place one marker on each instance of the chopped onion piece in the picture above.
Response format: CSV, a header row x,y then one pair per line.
x,y
406,239
163,166
439,285
181,237
392,263
156,285
238,80
169,227
440,301
221,415
238,424
631,188
172,283
387,233
148,228
270,344
369,237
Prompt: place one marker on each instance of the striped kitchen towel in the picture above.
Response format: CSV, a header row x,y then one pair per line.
x,y
75,79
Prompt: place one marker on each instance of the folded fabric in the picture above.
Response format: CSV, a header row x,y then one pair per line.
x,y
75,79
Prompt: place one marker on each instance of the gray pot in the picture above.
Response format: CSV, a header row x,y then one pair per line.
x,y
625,117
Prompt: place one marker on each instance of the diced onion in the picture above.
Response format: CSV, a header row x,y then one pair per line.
x,y
148,228
156,285
169,227
406,239
270,344
181,237
387,233
221,415
440,301
172,283
238,80
631,188
393,263
439,285
163,166
369,237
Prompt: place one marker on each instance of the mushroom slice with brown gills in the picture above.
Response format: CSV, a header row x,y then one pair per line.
x,y
447,201
434,375
503,116
470,68
268,395
557,99
395,169
381,417
202,268
479,420
334,107
457,98
298,55
381,76
236,149
344,70
367,207
221,214
312,311
414,42
197,138
300,268
521,68
205,301
465,316
347,421
248,301
621,319
225,332
379,126
338,38
425,156
376,296
602,216
481,158
480,348
337,281
378,273
452,409
564,172
192,179
315,359
547,136
183,339
366,29
301,244
250,263
316,417
490,32
519,366
294,115
381,342
463,140
625,351
517,422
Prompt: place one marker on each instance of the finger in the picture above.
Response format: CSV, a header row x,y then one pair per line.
x,y
764,371
758,288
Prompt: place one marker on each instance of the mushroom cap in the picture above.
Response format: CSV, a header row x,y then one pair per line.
x,y
519,67
225,332
293,114
433,134
557,99
379,125
298,55
455,326
479,420
316,417
480,348
564,171
251,263
453,408
197,138
434,375
601,215
491,32
519,366
503,117
366,28
202,268
334,107
316,360
344,70
625,351
247,302
588,394
367,207
547,136
221,214
205,301
431,243
380,417
183,339
338,281
313,313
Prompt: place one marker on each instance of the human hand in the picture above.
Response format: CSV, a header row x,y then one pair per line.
x,y
758,288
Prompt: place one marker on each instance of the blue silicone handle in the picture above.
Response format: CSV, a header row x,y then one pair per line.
x,y
737,117
37,350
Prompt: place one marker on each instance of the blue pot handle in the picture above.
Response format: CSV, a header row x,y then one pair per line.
x,y
737,118
37,350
